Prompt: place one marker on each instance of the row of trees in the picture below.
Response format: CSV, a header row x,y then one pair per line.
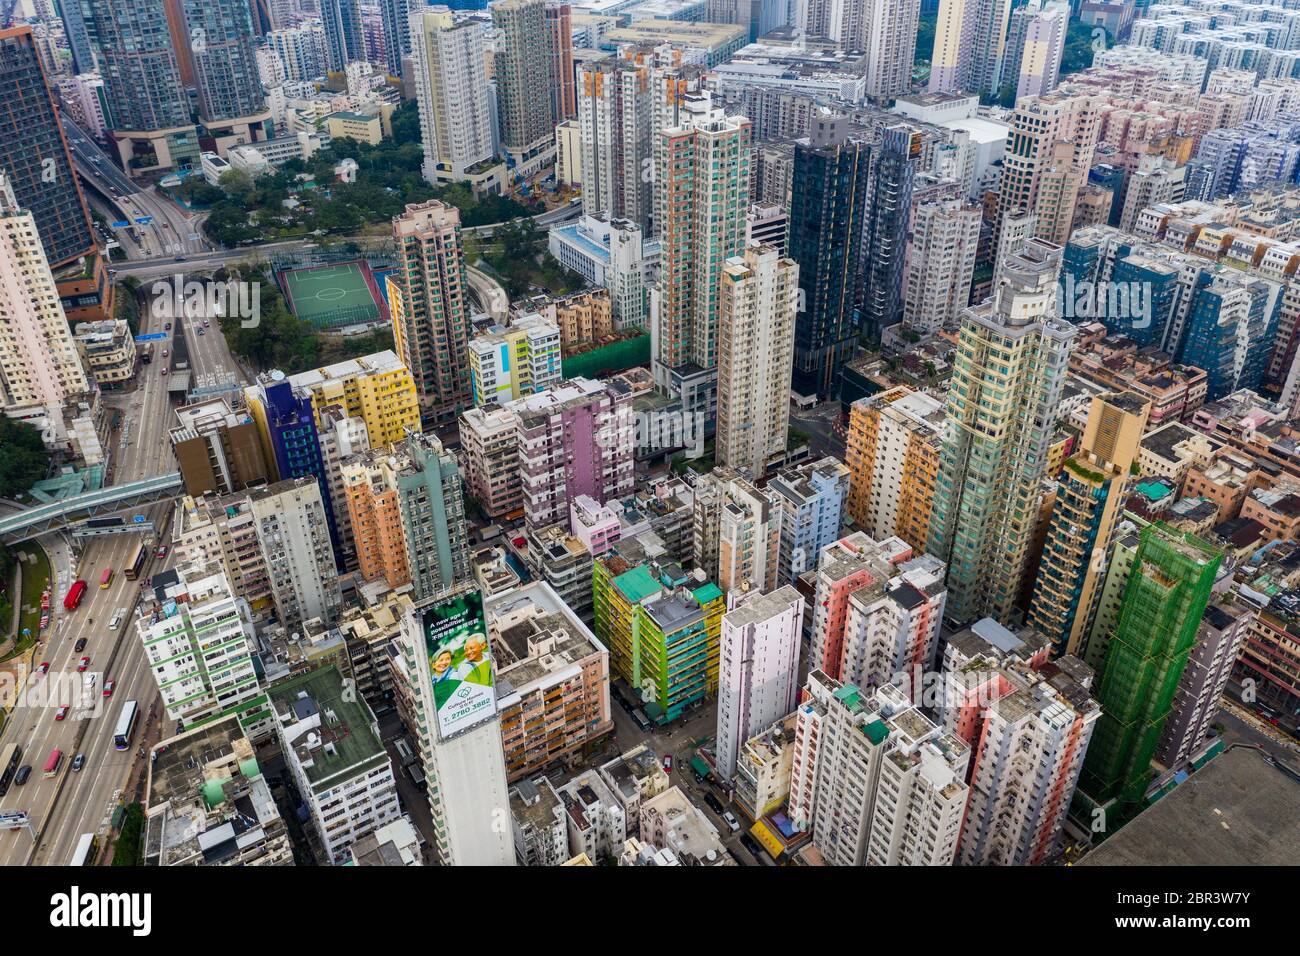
x,y
24,461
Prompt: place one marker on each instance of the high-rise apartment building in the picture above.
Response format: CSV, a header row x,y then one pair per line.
x,y
662,627
490,442
884,31
199,645
1035,45
1089,498
758,301
614,118
302,51
293,534
1164,602
456,125
894,165
1031,732
829,195
332,748
460,743
873,779
808,501
1053,140
702,164
433,516
396,18
225,68
344,40
427,296
559,22
376,388
525,77
573,439
39,362
1009,369
758,668
512,362
34,155
736,532
969,46
852,562
942,241
893,451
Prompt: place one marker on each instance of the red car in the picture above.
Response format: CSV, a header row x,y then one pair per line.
x,y
83,663
161,552
668,763
108,687
61,712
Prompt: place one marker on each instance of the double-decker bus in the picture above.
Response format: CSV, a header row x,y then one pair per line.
x,y
52,765
133,566
106,578
10,755
75,594
125,725
87,847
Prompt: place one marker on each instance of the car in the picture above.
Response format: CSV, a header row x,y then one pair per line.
x,y
167,326
668,763
179,259
78,762
90,681
730,819
206,323
114,622
43,667
200,331
83,664
108,687
713,803
165,353
161,552
164,371
23,773
79,646
61,713
750,844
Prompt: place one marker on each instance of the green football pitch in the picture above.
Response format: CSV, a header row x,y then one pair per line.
x,y
317,294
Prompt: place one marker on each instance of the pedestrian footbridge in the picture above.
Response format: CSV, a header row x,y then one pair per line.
x,y
27,523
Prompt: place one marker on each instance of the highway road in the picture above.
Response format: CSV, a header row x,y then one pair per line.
x,y
71,804
173,231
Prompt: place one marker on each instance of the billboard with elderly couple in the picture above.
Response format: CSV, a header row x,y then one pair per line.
x,y
460,661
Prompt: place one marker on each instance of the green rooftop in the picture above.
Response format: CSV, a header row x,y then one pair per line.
x,y
1154,490
876,732
347,724
850,696
707,592
638,584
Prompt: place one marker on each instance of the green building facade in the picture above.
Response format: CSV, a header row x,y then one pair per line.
x,y
1164,600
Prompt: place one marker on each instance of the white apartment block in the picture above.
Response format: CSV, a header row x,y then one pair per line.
x,y
1032,738
537,822
876,781
595,820
39,362
199,643
758,667
456,118
943,236
758,301
331,745
295,541
891,632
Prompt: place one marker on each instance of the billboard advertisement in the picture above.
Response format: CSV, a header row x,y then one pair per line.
x,y
460,661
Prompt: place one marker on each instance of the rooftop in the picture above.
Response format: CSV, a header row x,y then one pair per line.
x,y
1240,809
331,735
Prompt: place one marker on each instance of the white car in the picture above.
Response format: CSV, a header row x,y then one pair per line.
x,y
91,680
730,819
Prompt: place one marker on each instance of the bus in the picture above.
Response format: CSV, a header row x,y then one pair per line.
x,y
133,566
56,760
10,755
87,848
125,725
74,595
106,579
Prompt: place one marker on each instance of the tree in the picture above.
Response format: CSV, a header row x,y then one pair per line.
x,y
1082,42
25,459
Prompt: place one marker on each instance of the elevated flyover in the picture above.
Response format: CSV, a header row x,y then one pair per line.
x,y
29,522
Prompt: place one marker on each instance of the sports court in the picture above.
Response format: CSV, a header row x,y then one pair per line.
x,y
334,295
